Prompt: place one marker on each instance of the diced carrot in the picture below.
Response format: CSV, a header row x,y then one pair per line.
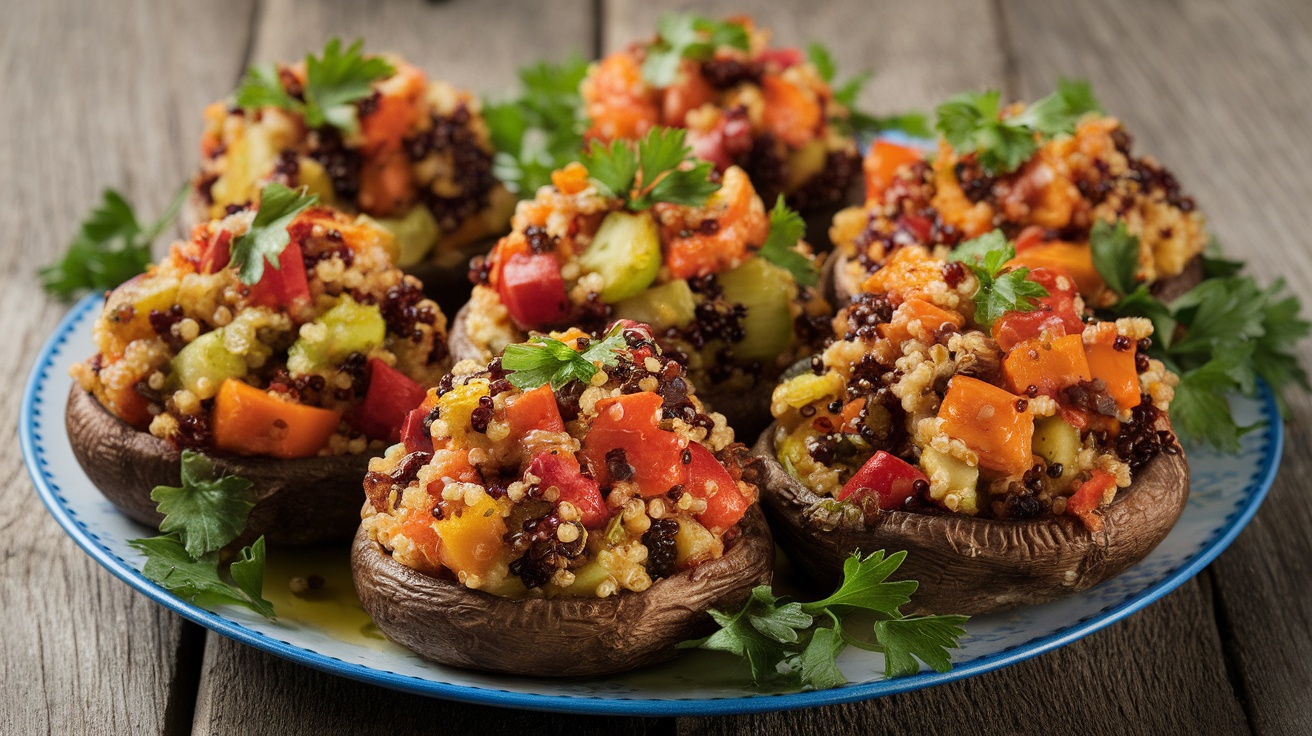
x,y
1091,494
472,538
1115,367
742,220
882,164
572,179
987,419
400,103
1049,368
1074,260
917,318
792,114
532,410
851,414
688,93
386,184
618,101
248,421
453,464
421,530
907,273
126,404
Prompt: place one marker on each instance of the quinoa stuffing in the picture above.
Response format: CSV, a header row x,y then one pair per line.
x,y
412,152
315,357
937,399
590,481
767,110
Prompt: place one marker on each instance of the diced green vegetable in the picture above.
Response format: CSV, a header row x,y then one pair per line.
x,y
626,252
947,475
416,233
349,327
692,542
662,307
809,388
767,291
587,578
203,364
1057,442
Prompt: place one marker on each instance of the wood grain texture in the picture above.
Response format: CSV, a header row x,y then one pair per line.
x,y
249,692
1219,92
95,95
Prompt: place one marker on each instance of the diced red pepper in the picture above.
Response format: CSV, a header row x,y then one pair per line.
x,y
1056,313
217,253
1088,497
629,423
390,398
562,471
709,481
285,285
888,478
784,57
414,435
533,290
532,410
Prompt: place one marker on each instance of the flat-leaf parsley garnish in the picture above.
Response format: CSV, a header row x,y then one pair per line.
x,y
686,36
655,172
786,228
999,291
542,129
769,631
856,122
334,82
268,236
546,360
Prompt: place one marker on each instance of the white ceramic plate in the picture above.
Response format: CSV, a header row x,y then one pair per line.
x,y
1226,490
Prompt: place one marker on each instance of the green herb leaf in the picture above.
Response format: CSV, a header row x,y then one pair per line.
x,y
739,637
819,56
544,360
542,129
999,292
818,662
198,579
248,573
973,123
686,36
865,585
613,168
267,236
207,512
661,170
334,82
261,87
1115,255
110,247
927,638
786,229
1200,409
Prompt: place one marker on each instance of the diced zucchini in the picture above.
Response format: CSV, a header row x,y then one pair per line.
x,y
662,307
808,388
587,579
203,364
693,543
626,252
416,233
806,162
312,175
349,327
1058,442
949,476
767,291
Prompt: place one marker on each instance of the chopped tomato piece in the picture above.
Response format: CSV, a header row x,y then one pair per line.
x,y
1089,496
533,290
562,471
886,477
1056,313
390,398
709,481
414,435
285,285
628,423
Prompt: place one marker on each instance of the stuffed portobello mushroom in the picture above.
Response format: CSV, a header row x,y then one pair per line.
x,y
973,414
721,280
288,367
769,111
367,134
1072,172
571,496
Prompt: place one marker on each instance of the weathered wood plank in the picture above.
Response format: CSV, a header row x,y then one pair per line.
x,y
249,692
1219,93
95,96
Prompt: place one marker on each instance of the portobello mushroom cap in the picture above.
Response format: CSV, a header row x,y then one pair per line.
x,y
300,501
748,412
443,621
973,566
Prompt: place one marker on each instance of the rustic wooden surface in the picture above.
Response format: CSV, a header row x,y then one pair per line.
x,y
109,95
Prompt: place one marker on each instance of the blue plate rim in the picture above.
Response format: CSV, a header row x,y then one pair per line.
x,y
1258,487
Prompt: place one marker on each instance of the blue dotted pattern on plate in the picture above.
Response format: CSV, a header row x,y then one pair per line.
x,y
1226,491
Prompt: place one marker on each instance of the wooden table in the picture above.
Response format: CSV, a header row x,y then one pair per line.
x,y
102,94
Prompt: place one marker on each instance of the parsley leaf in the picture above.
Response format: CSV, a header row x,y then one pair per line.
x,y
823,61
544,360
542,129
786,228
1200,410
660,170
334,82
207,512
858,123
771,633
247,572
687,36
1115,255
972,123
267,236
198,580
110,247
999,292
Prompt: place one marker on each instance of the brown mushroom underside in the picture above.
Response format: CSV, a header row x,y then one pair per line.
x,y
299,501
974,566
443,621
838,286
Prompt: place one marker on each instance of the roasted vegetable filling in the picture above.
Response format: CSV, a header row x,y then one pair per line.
x,y
977,387
568,467
320,349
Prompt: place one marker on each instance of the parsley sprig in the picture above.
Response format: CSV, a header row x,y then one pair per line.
x,y
110,247
999,291
1219,337
544,360
542,129
202,517
334,82
787,642
972,122
268,236
687,36
655,172
786,228
856,122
